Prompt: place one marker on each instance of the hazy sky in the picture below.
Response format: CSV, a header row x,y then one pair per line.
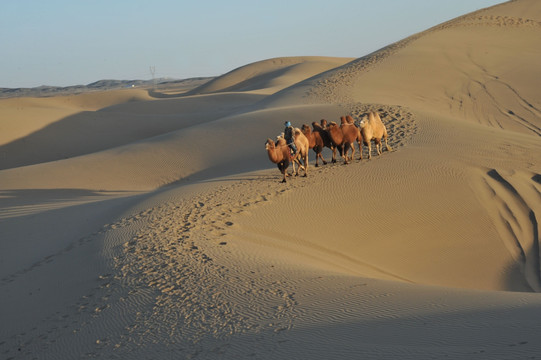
x,y
70,42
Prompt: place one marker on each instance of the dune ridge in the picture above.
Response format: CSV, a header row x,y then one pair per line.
x,y
174,238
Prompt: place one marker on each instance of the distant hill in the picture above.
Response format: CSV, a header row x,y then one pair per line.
x,y
44,90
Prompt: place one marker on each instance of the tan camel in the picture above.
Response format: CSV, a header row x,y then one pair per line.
x,y
303,145
372,128
315,142
279,154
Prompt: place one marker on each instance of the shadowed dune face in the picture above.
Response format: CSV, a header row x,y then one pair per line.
x,y
512,200
87,132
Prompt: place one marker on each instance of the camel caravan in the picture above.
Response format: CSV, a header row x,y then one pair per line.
x,y
291,147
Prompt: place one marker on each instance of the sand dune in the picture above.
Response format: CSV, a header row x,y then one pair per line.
x,y
269,76
136,226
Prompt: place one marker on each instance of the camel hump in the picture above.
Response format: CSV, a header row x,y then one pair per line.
x,y
349,119
371,117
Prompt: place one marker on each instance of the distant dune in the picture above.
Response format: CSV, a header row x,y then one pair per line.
x,y
270,75
149,222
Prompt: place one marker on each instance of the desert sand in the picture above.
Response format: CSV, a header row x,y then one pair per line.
x,y
148,224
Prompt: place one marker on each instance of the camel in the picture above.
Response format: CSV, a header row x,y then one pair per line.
x,y
343,138
327,142
303,145
372,128
351,134
337,138
279,154
315,142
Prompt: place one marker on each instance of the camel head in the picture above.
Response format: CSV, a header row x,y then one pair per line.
x,y
305,128
269,144
363,122
323,123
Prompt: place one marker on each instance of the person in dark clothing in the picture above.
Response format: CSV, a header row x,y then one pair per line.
x,y
289,136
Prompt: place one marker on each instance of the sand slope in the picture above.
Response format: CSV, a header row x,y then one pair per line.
x,y
158,228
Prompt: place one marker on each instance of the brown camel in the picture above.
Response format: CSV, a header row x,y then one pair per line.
x,y
279,154
315,142
372,128
337,139
351,134
327,142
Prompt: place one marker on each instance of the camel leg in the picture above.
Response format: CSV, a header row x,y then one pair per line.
x,y
305,166
360,150
345,154
299,167
378,146
369,150
283,169
322,159
387,145
333,154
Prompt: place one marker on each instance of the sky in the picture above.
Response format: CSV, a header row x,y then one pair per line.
x,y
74,42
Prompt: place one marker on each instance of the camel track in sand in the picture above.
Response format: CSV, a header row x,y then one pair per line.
x,y
179,254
